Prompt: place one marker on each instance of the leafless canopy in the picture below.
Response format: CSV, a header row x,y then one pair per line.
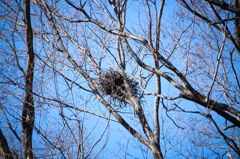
x,y
165,74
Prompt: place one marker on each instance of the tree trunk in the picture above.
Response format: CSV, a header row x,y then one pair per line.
x,y
28,107
156,155
4,149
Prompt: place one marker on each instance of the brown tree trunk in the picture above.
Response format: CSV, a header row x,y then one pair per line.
x,y
157,154
237,24
5,152
28,107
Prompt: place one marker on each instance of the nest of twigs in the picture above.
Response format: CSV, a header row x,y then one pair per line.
x,y
119,87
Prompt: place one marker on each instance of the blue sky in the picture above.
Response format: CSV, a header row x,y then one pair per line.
x,y
120,143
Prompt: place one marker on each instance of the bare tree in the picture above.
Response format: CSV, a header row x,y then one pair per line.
x,y
171,81
28,107
4,148
33,121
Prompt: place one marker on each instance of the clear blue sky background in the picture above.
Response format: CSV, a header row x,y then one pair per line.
x,y
117,138
119,141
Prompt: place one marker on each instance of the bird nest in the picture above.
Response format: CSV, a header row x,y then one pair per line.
x,y
119,87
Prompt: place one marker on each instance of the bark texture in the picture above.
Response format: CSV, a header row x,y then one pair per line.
x,y
28,107
5,151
